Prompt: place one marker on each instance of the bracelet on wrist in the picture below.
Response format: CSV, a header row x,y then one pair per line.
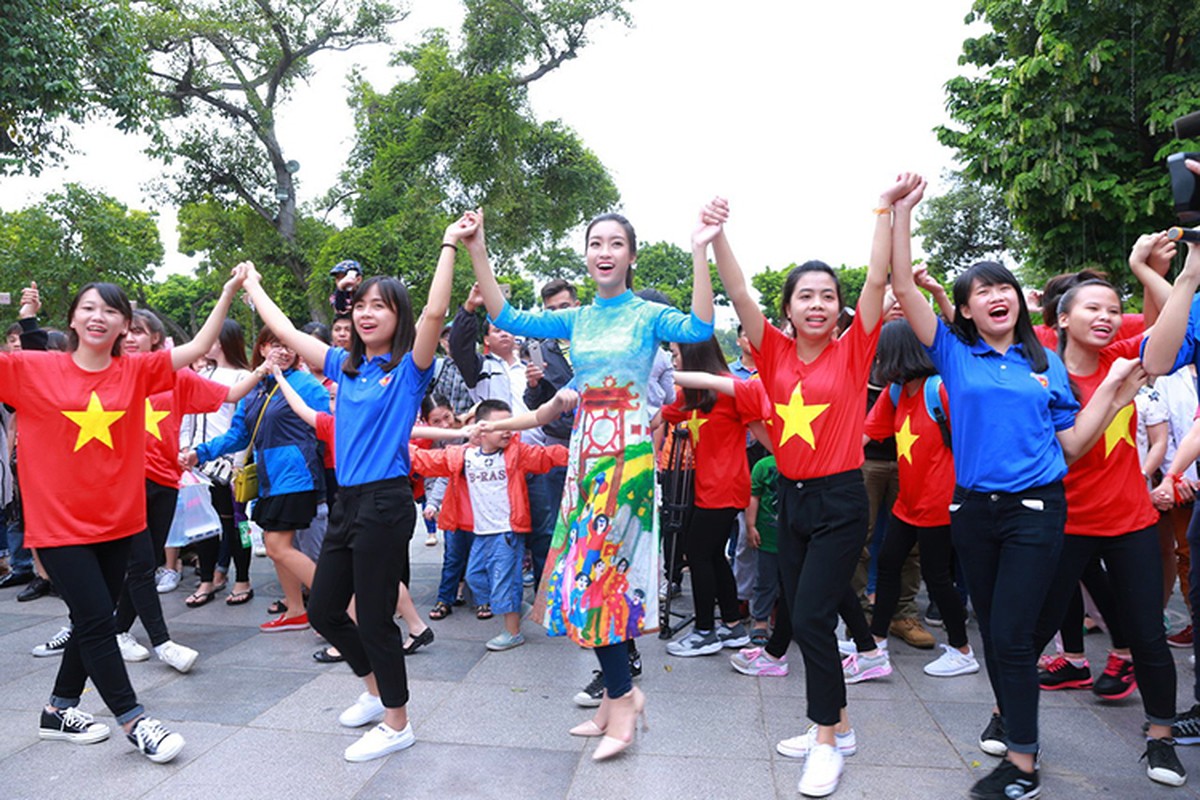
x,y
882,210
451,245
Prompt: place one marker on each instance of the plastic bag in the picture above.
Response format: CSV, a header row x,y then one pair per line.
x,y
195,518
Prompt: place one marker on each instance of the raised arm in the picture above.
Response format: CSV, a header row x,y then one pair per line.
x,y
1116,391
1162,348
938,292
433,316
183,355
243,387
870,300
689,379
564,400
916,310
1148,261
732,277
309,348
702,291
302,409
471,227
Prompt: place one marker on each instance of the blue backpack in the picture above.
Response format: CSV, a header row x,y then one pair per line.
x,y
933,405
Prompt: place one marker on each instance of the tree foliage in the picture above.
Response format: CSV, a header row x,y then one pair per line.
x,y
62,61
668,268
460,134
968,223
71,238
1068,110
224,70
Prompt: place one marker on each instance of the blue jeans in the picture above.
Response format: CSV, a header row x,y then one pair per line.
x,y
545,497
454,567
494,570
20,558
1009,547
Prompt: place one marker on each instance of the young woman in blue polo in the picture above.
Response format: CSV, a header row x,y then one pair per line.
x,y
1014,426
381,382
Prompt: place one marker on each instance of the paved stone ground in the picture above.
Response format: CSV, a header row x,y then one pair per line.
x,y
260,718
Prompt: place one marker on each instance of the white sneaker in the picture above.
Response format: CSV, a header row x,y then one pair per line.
x,y
176,655
847,647
379,741
822,771
951,663
799,746
366,709
154,741
55,645
130,649
167,581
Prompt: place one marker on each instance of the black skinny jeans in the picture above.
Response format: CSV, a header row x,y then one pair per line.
x,y
937,556
1008,545
139,595
712,577
365,556
88,578
208,550
1135,572
822,527
1095,579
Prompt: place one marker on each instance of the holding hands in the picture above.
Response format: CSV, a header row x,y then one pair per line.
x,y
907,183
1154,250
713,217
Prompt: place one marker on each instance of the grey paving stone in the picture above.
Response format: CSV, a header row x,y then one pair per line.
x,y
635,775
439,771
487,714
227,696
860,781
19,622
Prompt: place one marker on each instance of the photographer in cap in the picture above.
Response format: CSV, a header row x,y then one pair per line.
x,y
347,275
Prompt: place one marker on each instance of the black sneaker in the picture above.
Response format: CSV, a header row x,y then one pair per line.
x,y
635,662
38,588
994,739
1186,729
1060,673
154,741
933,616
1007,782
1117,681
591,694
71,725
1162,765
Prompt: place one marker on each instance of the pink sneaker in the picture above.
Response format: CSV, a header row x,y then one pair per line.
x,y
859,667
755,661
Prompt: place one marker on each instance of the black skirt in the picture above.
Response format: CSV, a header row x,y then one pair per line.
x,y
286,512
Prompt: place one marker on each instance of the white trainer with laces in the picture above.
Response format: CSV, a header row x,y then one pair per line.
x,y
952,663
799,746
154,741
366,709
176,655
55,645
130,649
822,771
167,581
379,741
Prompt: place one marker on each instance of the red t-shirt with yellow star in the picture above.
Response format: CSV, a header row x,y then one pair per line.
x,y
819,408
1106,493
164,414
926,465
83,443
719,444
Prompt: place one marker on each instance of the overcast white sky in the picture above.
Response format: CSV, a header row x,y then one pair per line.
x,y
798,112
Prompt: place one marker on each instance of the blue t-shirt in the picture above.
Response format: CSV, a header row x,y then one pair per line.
x,y
1003,416
375,416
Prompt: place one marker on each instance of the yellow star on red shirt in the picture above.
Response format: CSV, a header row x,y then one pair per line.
x,y
94,423
905,439
1118,430
693,426
798,417
153,418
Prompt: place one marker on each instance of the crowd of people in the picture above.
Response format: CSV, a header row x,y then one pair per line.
x,y
1035,477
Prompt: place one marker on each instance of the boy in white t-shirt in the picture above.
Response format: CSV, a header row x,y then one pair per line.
x,y
487,495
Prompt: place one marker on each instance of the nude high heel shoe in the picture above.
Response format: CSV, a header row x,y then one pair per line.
x,y
597,724
624,715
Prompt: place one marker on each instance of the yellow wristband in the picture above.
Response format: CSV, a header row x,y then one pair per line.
x,y
882,211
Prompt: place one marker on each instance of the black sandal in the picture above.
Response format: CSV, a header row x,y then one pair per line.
x,y
239,598
325,657
484,611
276,608
417,642
440,610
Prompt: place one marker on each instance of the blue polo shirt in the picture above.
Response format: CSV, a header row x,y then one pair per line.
x,y
1004,417
375,416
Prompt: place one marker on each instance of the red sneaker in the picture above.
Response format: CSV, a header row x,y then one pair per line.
x,y
1181,639
1118,681
285,623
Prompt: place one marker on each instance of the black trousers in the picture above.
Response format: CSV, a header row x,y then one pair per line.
x,y
365,555
822,527
139,595
89,578
208,550
712,577
937,557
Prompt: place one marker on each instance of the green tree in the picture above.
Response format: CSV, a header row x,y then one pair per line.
x,y
63,61
668,268
1068,109
460,134
968,223
71,238
226,69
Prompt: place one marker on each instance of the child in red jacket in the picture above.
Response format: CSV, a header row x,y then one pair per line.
x,y
487,496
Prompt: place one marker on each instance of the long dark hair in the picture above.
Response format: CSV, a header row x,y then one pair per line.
x,y
991,273
395,297
707,357
793,277
114,297
233,344
900,357
630,234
